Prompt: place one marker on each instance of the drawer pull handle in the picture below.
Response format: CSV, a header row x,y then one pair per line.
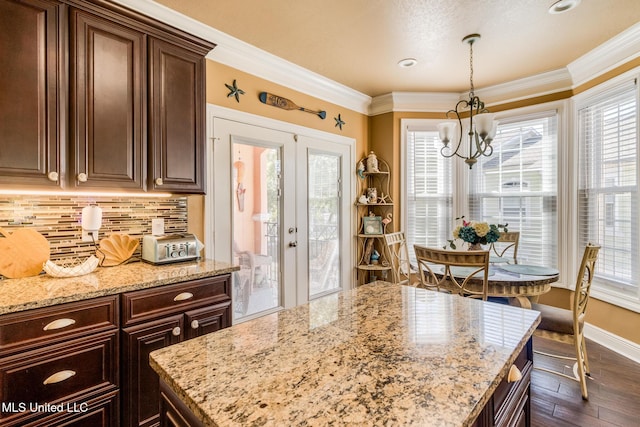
x,y
58,324
176,331
194,324
52,176
82,177
59,376
183,296
514,374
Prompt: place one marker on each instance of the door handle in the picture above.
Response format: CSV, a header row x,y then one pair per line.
x,y
293,244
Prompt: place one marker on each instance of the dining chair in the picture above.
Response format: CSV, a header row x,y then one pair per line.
x,y
567,326
399,256
259,265
453,271
507,240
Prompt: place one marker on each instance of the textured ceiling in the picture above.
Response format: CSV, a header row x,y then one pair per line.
x,y
359,42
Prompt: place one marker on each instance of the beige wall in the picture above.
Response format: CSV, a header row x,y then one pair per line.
x,y
356,124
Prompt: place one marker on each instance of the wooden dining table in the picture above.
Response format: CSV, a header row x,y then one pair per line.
x,y
522,284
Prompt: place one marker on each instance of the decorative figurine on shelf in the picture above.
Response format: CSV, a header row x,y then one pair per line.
x,y
372,163
363,200
375,257
372,194
368,248
360,169
384,199
387,220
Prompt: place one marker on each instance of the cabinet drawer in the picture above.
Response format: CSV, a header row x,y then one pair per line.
x,y
95,412
508,394
165,300
33,328
60,373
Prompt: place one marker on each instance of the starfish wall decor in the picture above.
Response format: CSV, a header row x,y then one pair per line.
x,y
234,91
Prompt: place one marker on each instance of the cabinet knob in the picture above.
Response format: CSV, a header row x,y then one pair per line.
x,y
514,374
176,331
53,176
82,177
59,377
195,324
159,181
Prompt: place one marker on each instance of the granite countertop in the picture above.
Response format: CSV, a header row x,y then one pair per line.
x,y
380,354
44,290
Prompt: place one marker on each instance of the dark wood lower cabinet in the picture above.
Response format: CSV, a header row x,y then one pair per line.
x,y
158,317
140,382
173,412
59,366
86,363
510,405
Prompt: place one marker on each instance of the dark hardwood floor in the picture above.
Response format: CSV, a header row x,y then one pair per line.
x,y
614,389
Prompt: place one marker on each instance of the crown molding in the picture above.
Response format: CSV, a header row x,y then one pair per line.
x,y
614,52
538,85
247,58
413,102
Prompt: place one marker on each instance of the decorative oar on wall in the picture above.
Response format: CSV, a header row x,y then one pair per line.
x,y
287,104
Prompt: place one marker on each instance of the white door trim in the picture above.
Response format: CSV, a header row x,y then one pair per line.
x,y
214,111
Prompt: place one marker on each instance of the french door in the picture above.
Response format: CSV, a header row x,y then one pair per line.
x,y
280,212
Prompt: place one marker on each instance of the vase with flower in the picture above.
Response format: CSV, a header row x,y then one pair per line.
x,y
476,233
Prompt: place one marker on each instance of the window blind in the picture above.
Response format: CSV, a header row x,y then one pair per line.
x,y
429,193
517,185
608,188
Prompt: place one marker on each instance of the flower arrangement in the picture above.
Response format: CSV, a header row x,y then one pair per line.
x,y
475,232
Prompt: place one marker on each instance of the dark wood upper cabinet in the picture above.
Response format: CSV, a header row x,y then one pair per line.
x,y
108,87
119,95
32,109
176,118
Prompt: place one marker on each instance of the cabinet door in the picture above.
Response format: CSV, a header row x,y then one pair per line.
x,y
206,320
30,104
176,117
107,104
140,383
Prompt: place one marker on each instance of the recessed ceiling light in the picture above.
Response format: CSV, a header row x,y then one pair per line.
x,y
563,6
407,62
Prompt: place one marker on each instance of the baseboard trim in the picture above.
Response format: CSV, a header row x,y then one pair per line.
x,y
613,342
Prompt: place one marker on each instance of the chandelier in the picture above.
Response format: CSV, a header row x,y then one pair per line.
x,y
478,124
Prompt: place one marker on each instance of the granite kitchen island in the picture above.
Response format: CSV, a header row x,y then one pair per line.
x,y
381,354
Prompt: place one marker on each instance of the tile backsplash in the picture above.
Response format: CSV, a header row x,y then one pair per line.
x,y
58,218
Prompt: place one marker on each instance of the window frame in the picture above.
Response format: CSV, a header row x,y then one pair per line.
x,y
598,93
566,196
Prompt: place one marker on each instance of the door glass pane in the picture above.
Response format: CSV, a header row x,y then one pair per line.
x,y
324,212
256,219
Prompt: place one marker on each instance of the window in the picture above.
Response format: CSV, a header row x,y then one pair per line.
x,y
429,190
608,187
517,185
